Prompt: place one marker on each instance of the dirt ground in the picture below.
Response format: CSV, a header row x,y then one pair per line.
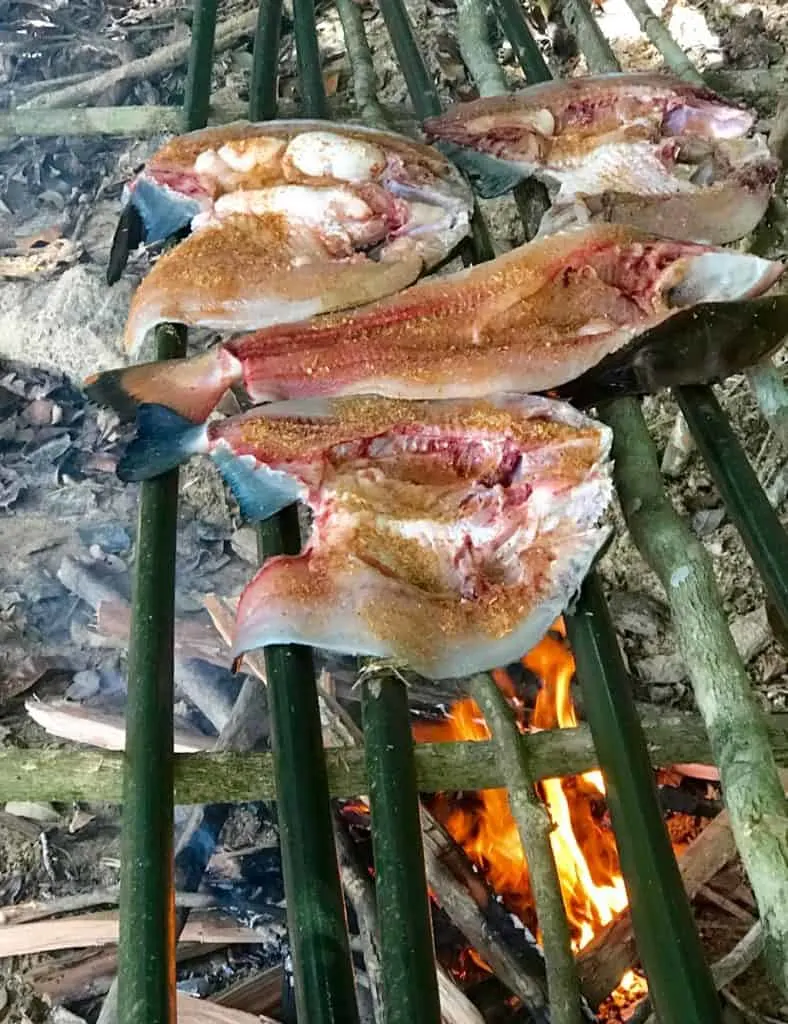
x,y
59,497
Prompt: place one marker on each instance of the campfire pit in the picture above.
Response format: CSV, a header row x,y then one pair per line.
x,y
597,877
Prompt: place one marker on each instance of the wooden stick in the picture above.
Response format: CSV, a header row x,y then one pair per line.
x,y
210,777
102,930
534,826
80,724
370,110
675,57
361,894
202,1011
477,53
143,122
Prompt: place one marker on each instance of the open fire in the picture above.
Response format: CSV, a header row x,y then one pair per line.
x,y
583,843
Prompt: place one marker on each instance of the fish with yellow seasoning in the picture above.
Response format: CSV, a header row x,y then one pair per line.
x,y
448,534
641,148
584,314
284,220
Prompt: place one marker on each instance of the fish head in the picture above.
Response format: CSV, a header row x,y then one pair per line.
x,y
699,111
506,127
660,275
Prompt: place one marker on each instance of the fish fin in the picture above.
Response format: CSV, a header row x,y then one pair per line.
x,y
129,233
190,387
259,490
164,440
488,176
164,213
699,345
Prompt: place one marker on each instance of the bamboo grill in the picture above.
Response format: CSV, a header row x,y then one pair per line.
x,y
680,983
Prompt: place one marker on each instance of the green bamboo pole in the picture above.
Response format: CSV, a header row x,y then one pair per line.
x,y
410,984
322,968
265,61
648,869
197,96
422,89
146,957
146,951
515,28
680,982
747,505
310,74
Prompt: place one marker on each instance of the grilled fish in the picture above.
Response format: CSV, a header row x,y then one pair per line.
x,y
633,148
447,534
286,219
605,309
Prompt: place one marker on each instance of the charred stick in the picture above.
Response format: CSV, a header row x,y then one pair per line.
x,y
534,826
613,951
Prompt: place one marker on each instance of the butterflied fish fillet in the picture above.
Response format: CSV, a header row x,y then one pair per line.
x,y
286,219
603,310
448,534
634,148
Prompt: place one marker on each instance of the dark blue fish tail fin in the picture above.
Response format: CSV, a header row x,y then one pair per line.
x,y
163,441
489,176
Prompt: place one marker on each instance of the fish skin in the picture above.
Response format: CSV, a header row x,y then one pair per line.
x,y
613,148
449,534
532,320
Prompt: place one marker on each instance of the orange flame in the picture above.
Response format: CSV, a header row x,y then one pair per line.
x,y
585,850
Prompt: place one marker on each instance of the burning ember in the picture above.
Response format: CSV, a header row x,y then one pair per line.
x,y
583,844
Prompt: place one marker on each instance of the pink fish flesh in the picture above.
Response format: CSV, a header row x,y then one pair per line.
x,y
637,148
546,314
287,219
446,534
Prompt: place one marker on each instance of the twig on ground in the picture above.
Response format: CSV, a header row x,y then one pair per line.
x,y
744,953
164,59
477,53
362,65
535,827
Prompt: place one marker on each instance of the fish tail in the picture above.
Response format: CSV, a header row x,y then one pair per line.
x,y
163,441
190,387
